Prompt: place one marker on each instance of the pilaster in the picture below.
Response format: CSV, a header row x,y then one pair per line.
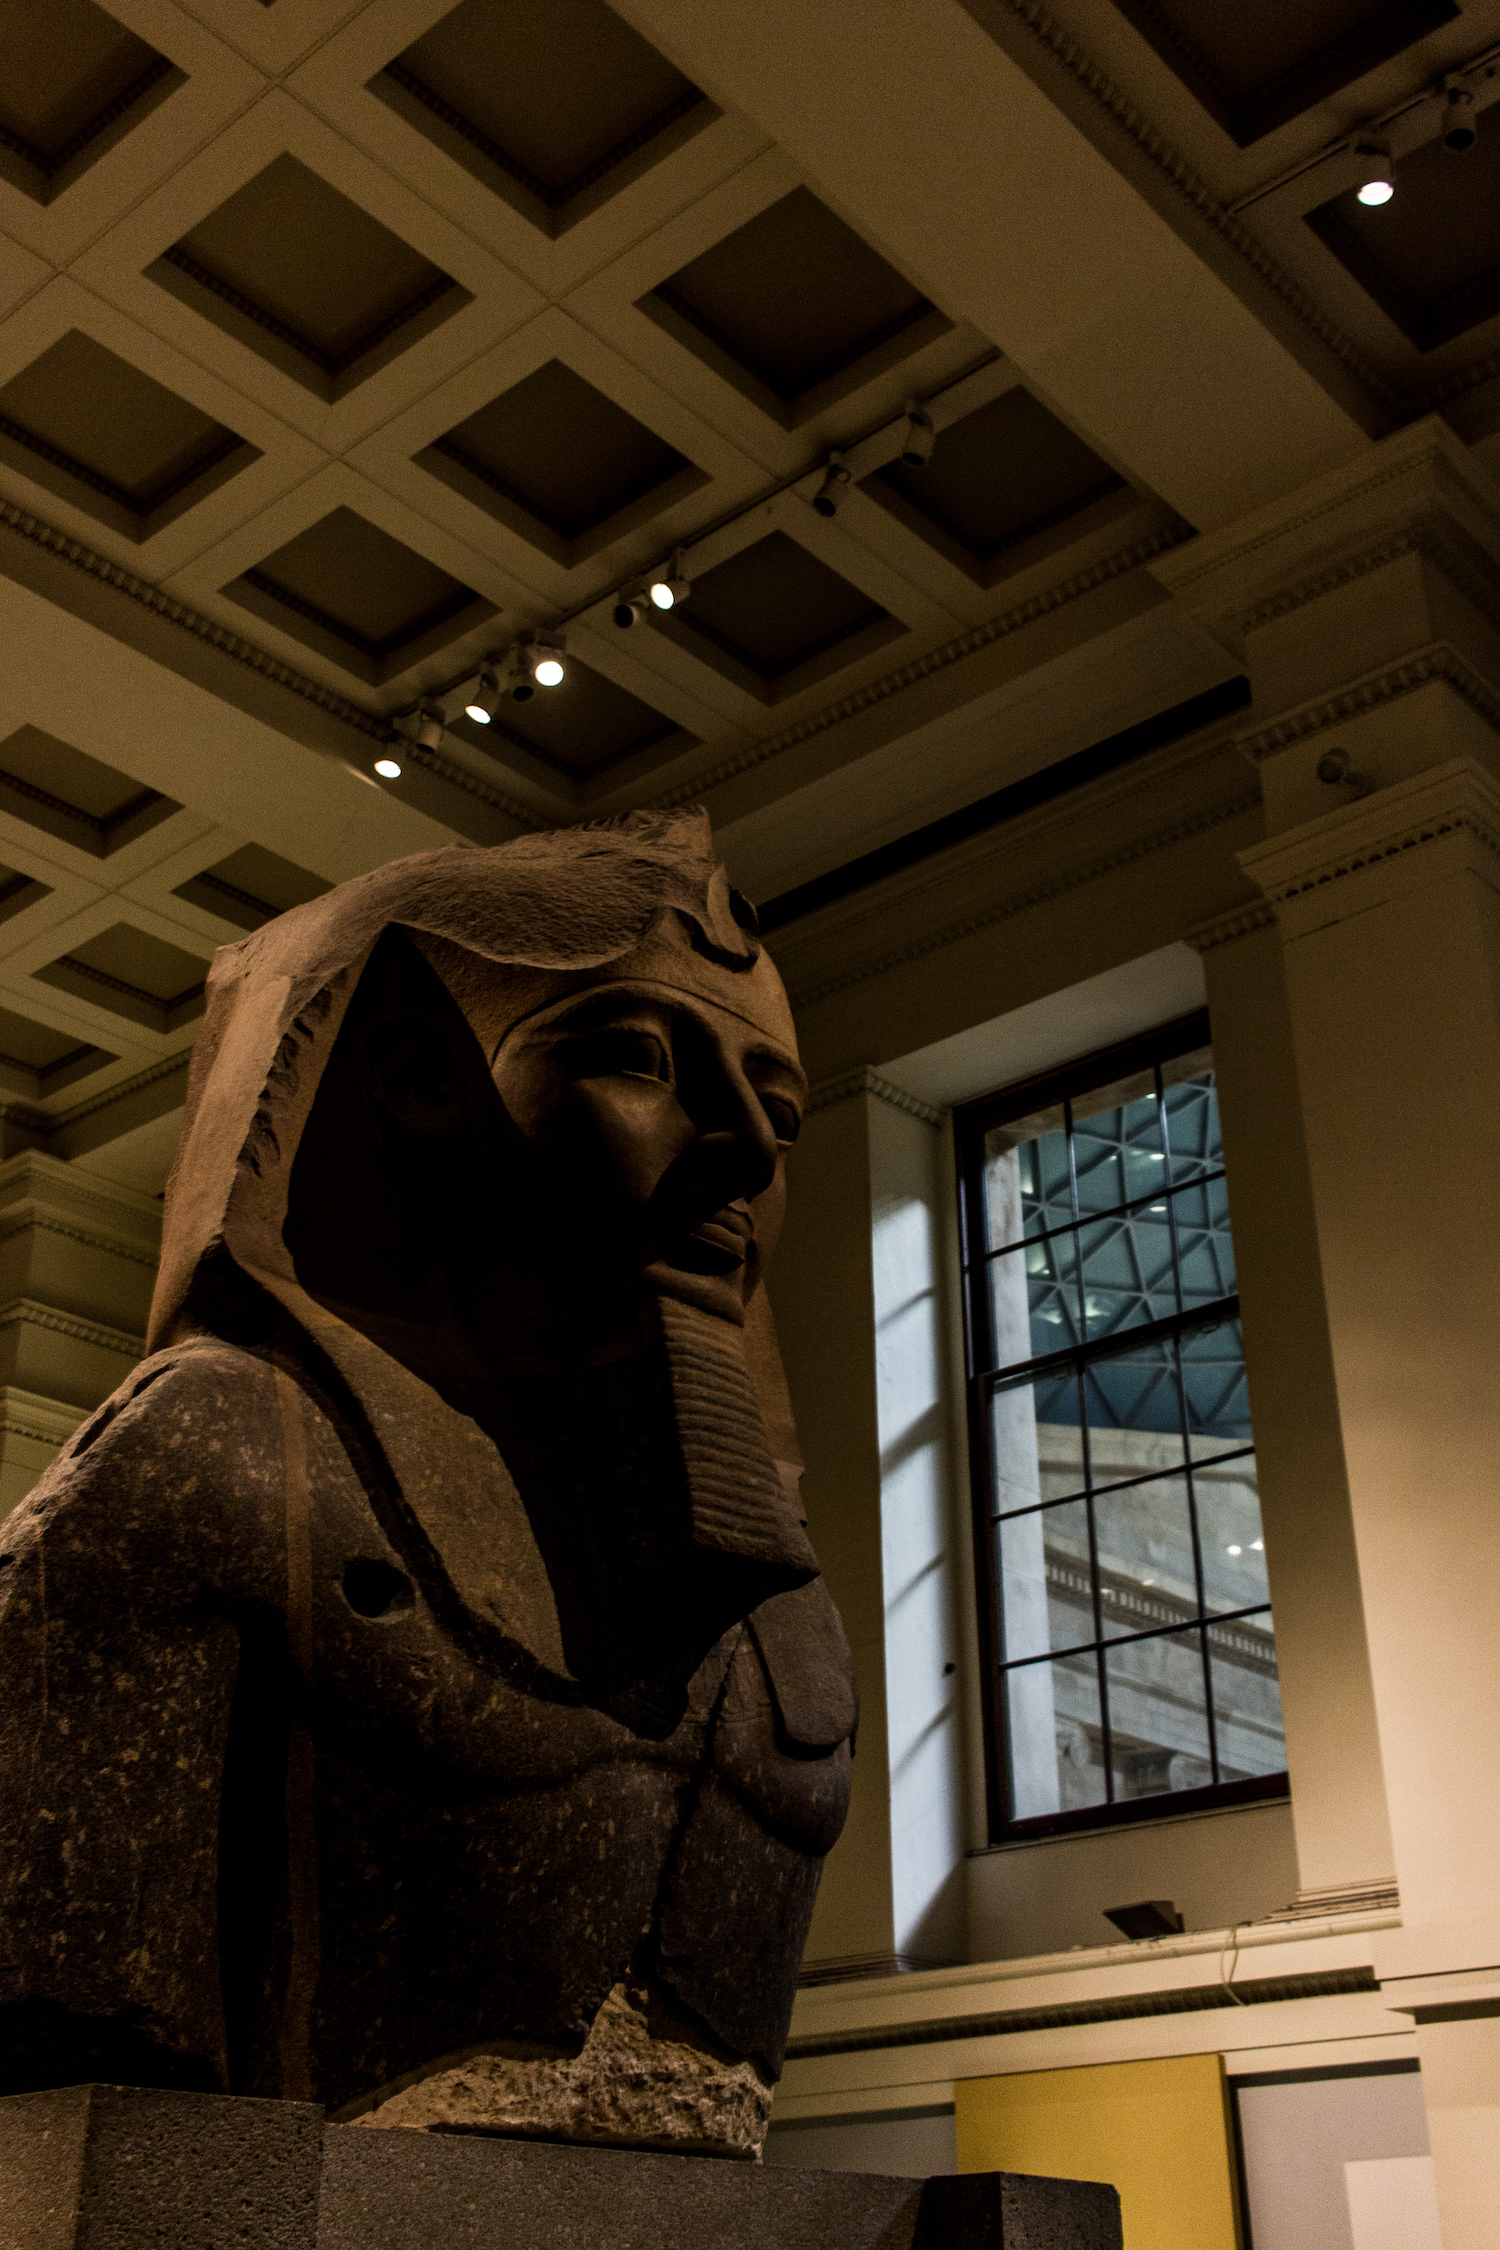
x,y
77,1262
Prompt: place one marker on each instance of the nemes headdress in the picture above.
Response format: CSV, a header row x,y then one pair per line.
x,y
510,929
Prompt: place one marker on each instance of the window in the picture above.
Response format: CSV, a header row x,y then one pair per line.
x,y
1129,1651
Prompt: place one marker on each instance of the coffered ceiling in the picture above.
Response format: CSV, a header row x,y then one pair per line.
x,y
346,343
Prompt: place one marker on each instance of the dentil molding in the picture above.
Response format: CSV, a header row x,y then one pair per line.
x,y
1455,806
867,1081
1438,661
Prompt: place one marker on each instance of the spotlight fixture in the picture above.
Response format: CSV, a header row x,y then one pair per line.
x,y
517,680
430,729
387,769
1460,133
668,588
1376,184
544,655
831,491
480,706
630,606
920,438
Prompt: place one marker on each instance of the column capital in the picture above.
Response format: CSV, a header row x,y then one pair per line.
x,y
1347,861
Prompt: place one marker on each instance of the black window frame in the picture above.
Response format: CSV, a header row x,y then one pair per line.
x,y
972,1123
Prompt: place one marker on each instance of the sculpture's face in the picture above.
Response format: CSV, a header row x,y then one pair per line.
x,y
665,1119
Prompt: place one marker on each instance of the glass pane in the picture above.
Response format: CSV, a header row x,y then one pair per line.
x,y
1026,1185
1117,1145
1205,1251
1046,1584
1133,1391
1213,1381
1127,1270
1234,1553
1145,1542
1056,1740
1038,1442
1034,1300
1247,1699
1157,1715
1193,1128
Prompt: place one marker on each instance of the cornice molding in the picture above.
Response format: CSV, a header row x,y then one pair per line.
x,y
25,1312
46,1124
46,1421
1439,661
127,1086
46,1222
373,726
1425,448
1465,571
868,1081
1180,177
1228,929
1056,886
1459,799
972,643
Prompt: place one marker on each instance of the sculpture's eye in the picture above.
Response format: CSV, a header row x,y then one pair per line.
x,y
377,1589
786,1120
620,1052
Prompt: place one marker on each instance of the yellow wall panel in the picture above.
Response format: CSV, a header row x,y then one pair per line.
x,y
1158,2131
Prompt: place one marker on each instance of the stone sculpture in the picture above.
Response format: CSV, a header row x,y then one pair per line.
x,y
417,1691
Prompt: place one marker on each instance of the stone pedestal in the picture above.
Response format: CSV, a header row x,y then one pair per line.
x,y
127,2168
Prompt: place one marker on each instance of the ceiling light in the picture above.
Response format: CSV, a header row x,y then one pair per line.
x,y
387,769
480,706
545,657
831,491
1376,184
517,680
920,438
669,589
430,731
630,607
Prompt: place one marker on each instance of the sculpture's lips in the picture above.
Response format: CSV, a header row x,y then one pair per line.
x,y
728,1232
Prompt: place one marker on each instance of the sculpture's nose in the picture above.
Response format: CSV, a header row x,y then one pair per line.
x,y
732,1158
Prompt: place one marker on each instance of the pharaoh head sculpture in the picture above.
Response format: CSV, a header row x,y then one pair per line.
x,y
466,1455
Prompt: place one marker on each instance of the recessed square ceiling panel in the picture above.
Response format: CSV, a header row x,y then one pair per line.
x,y
1254,68
795,309
351,591
73,82
561,464
36,1061
775,619
586,723
1006,485
78,799
18,890
251,886
134,975
555,104
306,278
120,445
1430,257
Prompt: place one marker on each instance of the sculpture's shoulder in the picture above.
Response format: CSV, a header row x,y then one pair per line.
x,y
188,1439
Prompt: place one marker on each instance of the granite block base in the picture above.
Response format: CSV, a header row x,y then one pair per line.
x,y
128,2168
